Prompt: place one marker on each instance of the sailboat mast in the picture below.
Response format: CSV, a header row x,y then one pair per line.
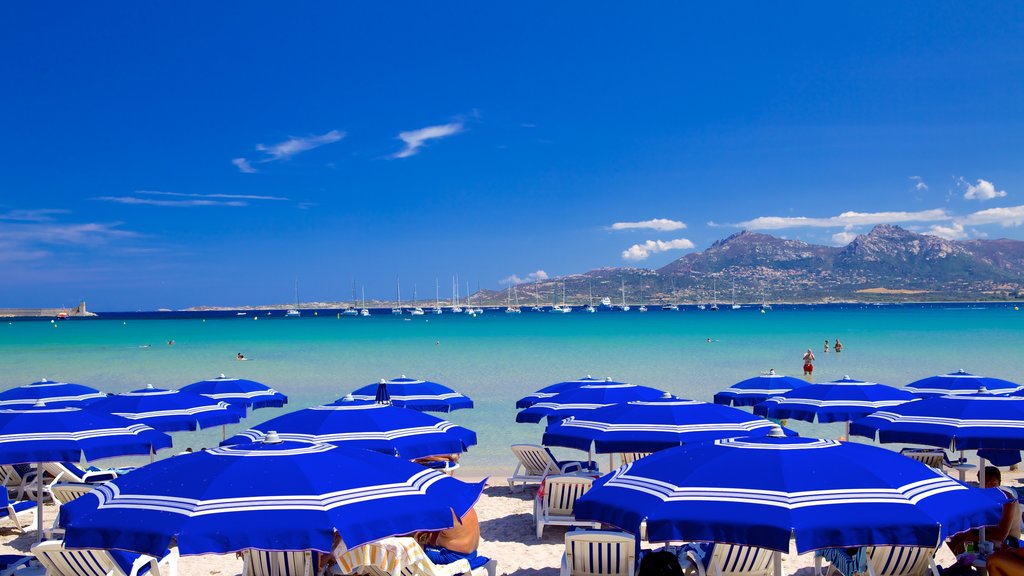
x,y
398,282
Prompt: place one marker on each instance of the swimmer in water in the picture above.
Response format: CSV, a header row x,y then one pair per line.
x,y
170,342
239,356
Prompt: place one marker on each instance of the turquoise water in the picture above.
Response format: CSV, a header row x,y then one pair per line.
x,y
496,358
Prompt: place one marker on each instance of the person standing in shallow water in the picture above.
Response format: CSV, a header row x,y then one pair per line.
x,y
826,345
839,345
808,363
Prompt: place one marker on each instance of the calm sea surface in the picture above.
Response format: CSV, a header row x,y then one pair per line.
x,y
496,358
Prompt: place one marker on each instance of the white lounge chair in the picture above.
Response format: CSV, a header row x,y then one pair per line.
x,y
536,462
62,493
17,512
11,476
627,457
555,506
734,560
402,556
598,553
65,472
893,561
270,563
61,561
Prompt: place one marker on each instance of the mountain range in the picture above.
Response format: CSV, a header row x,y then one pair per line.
x,y
888,263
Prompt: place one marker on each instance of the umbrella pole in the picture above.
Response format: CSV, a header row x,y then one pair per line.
x,y
152,456
847,430
223,432
590,454
611,465
39,503
981,484
777,562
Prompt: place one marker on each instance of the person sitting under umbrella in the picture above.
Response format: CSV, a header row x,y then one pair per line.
x,y
1009,523
455,543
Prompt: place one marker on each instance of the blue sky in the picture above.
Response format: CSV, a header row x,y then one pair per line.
x,y
169,154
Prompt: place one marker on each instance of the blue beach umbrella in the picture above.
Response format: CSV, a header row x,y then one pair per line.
x,y
588,397
169,410
238,392
271,496
959,382
652,425
758,389
837,401
43,434
549,391
762,491
421,395
365,424
54,394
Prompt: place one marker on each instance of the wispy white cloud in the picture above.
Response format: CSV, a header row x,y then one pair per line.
x,y
643,251
844,220
919,183
843,238
39,215
185,200
531,277
659,224
1006,216
243,166
954,231
287,149
983,190
416,139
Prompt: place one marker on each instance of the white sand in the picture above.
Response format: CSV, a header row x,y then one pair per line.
x,y
507,529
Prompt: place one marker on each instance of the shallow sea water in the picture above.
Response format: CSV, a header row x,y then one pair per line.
x,y
496,358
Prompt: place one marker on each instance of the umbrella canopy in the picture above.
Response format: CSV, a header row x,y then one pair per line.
x,y
837,401
960,422
238,392
44,434
421,395
169,410
549,391
585,398
54,394
649,426
271,496
959,382
758,389
366,424
760,491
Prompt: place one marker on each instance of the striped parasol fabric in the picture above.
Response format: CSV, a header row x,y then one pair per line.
x,y
837,401
238,392
959,382
274,495
422,395
53,394
758,389
169,410
586,398
549,391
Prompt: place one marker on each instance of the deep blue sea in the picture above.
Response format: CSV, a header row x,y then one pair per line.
x,y
496,358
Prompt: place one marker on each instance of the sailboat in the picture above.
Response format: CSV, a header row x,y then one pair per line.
x,y
735,306
642,307
764,302
469,307
536,295
437,298
397,311
364,311
509,307
672,296
416,311
590,301
714,297
478,309
624,307
351,311
563,309
294,312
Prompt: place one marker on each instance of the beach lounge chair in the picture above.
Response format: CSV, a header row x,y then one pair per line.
x,y
554,505
62,493
402,556
627,457
599,553
13,477
269,563
536,462
60,561
879,561
11,563
66,472
17,512
733,560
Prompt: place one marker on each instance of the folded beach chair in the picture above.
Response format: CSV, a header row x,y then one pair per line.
x,y
270,563
60,561
402,556
66,472
554,507
627,457
17,512
536,462
731,560
62,493
599,553
878,561
934,457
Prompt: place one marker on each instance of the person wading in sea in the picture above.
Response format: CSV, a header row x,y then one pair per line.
x,y
808,363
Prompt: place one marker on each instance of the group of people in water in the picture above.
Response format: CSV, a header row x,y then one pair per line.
x,y
809,356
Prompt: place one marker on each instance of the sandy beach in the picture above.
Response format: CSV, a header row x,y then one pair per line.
x,y
507,531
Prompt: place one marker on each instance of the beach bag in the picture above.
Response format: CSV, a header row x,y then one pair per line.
x,y
660,563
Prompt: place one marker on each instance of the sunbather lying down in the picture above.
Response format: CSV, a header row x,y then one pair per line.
x,y
455,543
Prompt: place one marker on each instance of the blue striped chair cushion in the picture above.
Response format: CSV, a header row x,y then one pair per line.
x,y
845,563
